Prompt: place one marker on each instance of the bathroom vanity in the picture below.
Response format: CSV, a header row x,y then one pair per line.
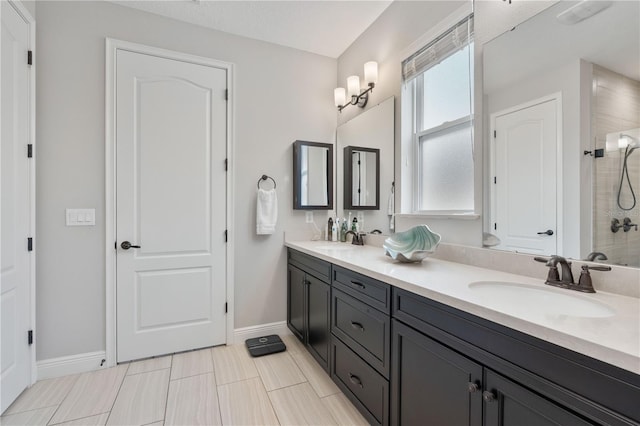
x,y
421,344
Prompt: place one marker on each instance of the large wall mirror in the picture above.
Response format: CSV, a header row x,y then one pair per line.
x,y
368,138
560,90
312,176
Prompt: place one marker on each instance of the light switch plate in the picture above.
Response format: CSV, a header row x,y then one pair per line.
x,y
81,217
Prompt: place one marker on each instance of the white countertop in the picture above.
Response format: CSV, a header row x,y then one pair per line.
x,y
614,339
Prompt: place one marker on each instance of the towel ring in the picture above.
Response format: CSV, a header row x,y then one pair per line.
x,y
265,177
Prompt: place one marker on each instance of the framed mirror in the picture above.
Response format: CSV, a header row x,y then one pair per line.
x,y
361,178
312,176
554,87
372,130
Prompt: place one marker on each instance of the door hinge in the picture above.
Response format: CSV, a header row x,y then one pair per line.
x,y
495,134
226,307
225,235
30,337
495,179
226,94
30,57
226,164
29,244
29,151
495,226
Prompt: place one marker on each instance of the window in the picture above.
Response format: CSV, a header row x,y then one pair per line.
x,y
439,79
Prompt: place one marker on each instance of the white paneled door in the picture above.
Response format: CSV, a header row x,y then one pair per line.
x,y
15,180
171,133
525,185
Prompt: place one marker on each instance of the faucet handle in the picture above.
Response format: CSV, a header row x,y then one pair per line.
x,y
585,284
553,275
595,268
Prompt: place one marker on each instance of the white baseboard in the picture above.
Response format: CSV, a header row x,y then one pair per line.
x,y
242,334
73,364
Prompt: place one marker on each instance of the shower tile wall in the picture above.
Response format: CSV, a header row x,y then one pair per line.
x,y
616,107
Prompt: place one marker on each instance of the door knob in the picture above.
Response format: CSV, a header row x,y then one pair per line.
x,y
547,232
126,245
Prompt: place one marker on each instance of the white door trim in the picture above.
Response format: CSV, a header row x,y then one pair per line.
x,y
24,13
112,45
559,178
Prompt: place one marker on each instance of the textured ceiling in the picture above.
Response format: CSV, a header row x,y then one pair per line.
x,y
325,27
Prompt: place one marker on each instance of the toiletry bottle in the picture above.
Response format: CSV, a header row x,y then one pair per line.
x,y
343,230
334,230
330,230
354,225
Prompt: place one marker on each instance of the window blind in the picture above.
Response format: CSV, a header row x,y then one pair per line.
x,y
454,39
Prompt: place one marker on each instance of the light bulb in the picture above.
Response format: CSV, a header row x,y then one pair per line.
x,y
339,96
371,72
353,85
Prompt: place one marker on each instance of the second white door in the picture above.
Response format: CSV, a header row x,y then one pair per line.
x,y
171,118
525,181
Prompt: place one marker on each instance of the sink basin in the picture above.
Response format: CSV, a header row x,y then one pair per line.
x,y
336,246
518,297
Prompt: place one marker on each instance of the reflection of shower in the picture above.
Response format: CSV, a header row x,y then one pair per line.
x,y
631,145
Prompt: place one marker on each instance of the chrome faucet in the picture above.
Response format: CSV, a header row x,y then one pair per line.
x,y
358,239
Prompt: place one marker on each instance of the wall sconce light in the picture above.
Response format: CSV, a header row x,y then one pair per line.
x,y
358,96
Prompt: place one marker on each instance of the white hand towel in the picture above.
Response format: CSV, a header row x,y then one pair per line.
x,y
266,212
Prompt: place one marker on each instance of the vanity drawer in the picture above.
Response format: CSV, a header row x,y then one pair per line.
x,y
368,290
314,266
367,389
363,328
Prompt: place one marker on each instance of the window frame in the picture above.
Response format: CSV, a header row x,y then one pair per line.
x,y
416,90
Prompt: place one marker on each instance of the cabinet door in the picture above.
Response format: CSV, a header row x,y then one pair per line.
x,y
431,384
507,403
318,302
296,302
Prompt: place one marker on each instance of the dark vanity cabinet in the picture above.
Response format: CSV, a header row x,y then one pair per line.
x,y
360,347
454,368
308,303
403,359
432,384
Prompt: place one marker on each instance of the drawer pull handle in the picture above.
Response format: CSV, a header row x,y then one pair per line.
x,y
357,326
488,396
473,387
358,284
355,379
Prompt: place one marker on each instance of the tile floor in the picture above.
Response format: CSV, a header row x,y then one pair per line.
x,y
218,386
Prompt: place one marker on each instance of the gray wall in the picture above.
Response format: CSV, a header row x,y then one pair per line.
x,y
282,94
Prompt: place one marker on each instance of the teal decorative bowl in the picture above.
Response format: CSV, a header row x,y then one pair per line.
x,y
412,245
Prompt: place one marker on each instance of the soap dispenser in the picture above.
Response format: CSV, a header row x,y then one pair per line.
x,y
334,230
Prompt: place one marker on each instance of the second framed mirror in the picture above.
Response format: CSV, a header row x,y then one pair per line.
x,y
361,178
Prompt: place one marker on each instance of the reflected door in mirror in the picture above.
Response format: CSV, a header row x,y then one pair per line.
x,y
313,176
361,178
